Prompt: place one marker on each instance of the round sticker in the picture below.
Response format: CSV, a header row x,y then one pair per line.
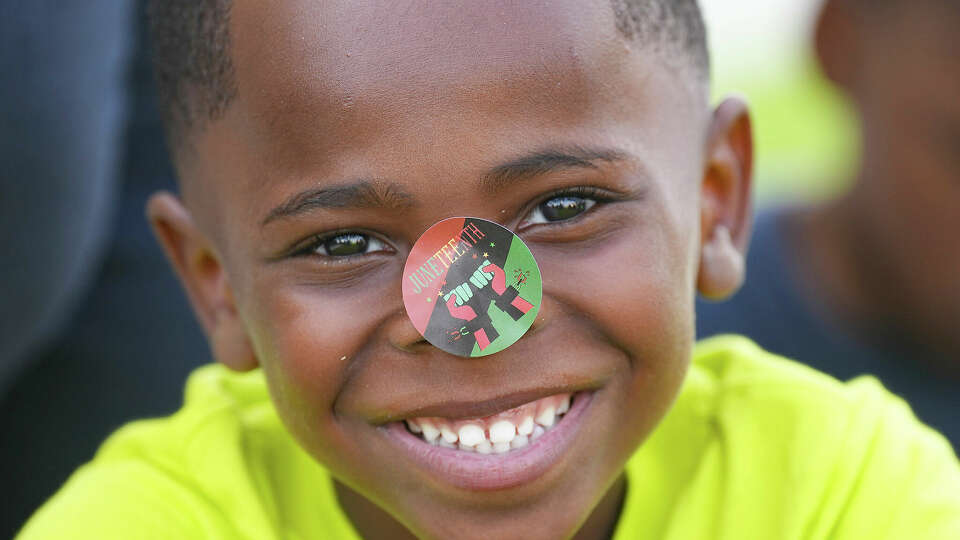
x,y
471,287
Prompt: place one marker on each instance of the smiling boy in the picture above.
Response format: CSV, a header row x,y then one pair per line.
x,y
317,141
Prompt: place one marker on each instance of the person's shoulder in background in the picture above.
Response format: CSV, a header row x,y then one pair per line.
x,y
130,338
758,446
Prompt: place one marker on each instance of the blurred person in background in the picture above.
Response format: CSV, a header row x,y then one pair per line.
x,y
870,282
62,111
94,330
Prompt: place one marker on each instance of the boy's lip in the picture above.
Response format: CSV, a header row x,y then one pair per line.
x,y
476,472
461,410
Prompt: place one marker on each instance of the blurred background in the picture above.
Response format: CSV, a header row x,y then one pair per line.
x,y
119,340
805,132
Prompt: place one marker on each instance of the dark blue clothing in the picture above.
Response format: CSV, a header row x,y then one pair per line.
x,y
133,339
774,309
63,101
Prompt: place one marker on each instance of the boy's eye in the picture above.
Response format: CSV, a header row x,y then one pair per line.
x,y
560,208
347,244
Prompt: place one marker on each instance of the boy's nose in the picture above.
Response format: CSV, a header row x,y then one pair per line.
x,y
403,335
470,287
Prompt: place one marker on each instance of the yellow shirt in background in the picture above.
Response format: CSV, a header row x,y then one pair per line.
x,y
756,447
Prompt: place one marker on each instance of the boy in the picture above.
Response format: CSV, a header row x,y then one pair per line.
x,y
316,142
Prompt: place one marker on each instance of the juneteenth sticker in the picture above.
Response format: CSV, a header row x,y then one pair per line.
x,y
471,287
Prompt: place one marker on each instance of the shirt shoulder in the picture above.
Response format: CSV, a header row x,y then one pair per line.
x,y
222,466
757,445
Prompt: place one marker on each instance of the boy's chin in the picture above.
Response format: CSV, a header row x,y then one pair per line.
x,y
558,513
546,521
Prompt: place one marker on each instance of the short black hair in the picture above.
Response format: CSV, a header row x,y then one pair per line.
x,y
674,25
195,75
192,63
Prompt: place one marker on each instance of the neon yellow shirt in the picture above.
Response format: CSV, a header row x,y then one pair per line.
x,y
755,447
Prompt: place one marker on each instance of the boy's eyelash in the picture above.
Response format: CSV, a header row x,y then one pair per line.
x,y
308,247
585,192
599,195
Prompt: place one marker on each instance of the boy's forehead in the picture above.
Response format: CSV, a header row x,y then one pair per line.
x,y
351,47
339,60
326,81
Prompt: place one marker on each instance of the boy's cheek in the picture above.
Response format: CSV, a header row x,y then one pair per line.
x,y
307,337
634,289
635,283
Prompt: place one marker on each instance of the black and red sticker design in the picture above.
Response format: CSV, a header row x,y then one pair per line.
x,y
471,287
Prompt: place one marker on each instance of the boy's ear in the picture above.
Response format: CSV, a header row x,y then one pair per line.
x,y
204,279
726,210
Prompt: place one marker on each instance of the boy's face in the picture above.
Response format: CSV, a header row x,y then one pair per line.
x,y
356,128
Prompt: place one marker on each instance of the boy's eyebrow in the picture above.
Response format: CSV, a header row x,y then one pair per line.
x,y
366,193
356,194
546,161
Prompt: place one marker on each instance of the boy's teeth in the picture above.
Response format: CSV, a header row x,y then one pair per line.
x,y
502,432
547,416
498,434
430,432
448,434
471,435
526,426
